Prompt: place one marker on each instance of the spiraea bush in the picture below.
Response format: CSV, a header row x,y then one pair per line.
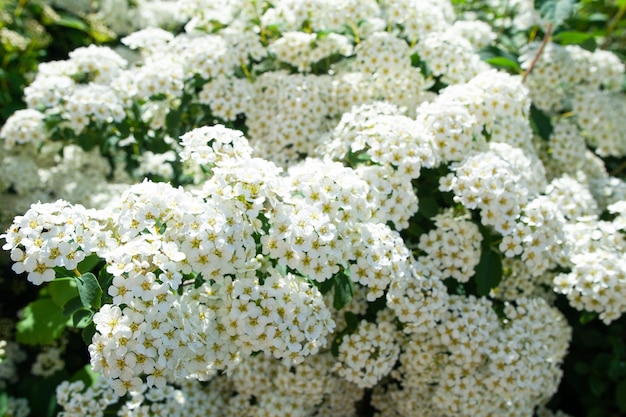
x,y
321,208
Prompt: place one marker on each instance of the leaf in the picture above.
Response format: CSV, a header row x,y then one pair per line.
x,y
72,305
555,11
584,40
572,37
42,323
325,286
502,62
89,291
62,290
620,396
428,207
352,321
488,272
72,23
82,318
4,399
541,123
344,290
88,333
587,316
87,375
597,385
89,263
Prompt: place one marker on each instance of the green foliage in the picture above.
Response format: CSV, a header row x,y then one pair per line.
x,y
42,323
89,291
488,271
594,380
555,11
344,290
27,31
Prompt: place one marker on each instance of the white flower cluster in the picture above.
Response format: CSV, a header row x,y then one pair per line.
x,y
302,50
353,109
48,362
569,78
47,236
77,400
369,354
24,126
597,278
259,386
11,356
475,364
452,249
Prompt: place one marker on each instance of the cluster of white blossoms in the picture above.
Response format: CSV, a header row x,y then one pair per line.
x,y
302,50
474,364
48,362
384,160
11,356
78,400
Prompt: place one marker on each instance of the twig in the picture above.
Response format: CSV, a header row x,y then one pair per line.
x,y
546,38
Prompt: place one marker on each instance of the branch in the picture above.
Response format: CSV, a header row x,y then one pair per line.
x,y
546,38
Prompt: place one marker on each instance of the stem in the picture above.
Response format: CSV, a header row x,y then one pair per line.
x,y
612,25
77,272
546,38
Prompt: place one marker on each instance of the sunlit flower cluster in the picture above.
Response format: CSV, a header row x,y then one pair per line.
x,y
352,199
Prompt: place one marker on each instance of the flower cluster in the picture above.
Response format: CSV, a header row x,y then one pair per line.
x,y
389,173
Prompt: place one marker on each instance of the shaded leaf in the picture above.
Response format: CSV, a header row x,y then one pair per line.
x,y
88,333
488,272
42,323
82,318
62,290
620,396
87,375
72,305
344,290
89,291
541,123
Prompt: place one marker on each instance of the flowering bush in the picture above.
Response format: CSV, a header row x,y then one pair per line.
x,y
316,208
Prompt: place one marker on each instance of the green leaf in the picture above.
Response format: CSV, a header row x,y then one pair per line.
x,y
62,290
584,40
540,123
488,272
88,333
620,396
587,316
82,318
89,291
4,399
352,321
555,11
87,375
72,23
42,323
502,62
344,290
428,207
597,385
325,286
572,37
72,305
89,263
